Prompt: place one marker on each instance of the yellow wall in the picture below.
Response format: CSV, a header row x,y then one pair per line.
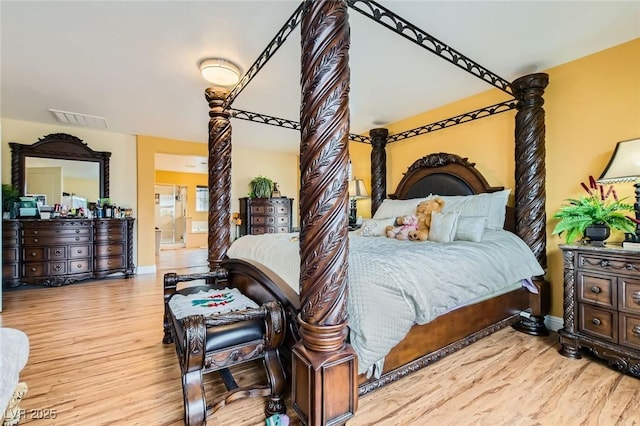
x,y
590,104
246,164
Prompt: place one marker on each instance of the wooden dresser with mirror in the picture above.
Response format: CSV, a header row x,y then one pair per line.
x,y
63,250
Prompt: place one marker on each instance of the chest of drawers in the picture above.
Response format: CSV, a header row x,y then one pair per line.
x,y
265,215
61,251
602,305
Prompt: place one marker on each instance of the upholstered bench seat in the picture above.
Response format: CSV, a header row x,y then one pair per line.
x,y
232,329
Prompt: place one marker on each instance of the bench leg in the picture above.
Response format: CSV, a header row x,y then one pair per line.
x,y
275,375
195,406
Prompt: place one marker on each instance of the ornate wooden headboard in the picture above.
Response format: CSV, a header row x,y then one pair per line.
x,y
446,174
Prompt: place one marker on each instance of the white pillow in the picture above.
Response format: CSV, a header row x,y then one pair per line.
x,y
492,205
470,228
443,226
375,227
396,208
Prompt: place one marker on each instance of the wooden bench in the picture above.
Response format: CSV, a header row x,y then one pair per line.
x,y
215,342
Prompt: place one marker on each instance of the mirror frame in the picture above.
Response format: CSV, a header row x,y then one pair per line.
x,y
60,146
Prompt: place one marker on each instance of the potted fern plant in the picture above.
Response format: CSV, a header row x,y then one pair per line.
x,y
10,196
260,187
594,215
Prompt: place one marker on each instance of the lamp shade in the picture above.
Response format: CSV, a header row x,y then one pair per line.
x,y
220,72
624,165
357,189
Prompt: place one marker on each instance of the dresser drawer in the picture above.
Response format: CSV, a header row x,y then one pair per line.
x,y
597,288
39,241
79,265
629,296
34,269
258,230
258,209
598,322
630,331
56,231
9,255
260,220
101,237
78,251
609,264
282,220
111,262
109,249
9,271
33,254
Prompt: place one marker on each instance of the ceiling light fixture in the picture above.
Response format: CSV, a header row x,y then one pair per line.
x,y
220,72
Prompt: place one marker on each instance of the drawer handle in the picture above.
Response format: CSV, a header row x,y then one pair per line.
x,y
595,289
57,267
604,263
636,330
79,251
109,262
33,269
77,231
35,232
109,249
630,266
33,254
596,321
636,297
79,266
35,240
58,252
77,238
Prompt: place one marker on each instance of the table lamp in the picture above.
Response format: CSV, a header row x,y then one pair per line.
x,y
357,191
624,166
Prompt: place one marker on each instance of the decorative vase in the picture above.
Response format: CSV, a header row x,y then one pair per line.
x,y
597,233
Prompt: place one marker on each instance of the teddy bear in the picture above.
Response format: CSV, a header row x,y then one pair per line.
x,y
423,213
405,225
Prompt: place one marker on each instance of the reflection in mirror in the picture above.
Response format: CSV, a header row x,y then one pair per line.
x,y
69,182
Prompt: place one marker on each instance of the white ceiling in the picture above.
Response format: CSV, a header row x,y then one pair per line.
x,y
136,62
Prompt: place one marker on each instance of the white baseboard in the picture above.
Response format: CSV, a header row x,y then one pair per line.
x,y
150,269
553,323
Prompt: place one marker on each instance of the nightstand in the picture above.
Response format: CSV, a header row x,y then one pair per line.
x,y
602,304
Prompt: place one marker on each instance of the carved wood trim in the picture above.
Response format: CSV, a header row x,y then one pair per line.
x,y
378,167
60,146
219,237
530,174
434,356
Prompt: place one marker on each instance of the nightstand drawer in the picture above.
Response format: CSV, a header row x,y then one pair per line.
x,y
630,331
609,265
598,322
629,296
597,288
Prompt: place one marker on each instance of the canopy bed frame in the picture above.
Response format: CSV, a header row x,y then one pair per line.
x,y
325,385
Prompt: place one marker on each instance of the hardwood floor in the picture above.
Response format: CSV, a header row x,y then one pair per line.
x,y
97,358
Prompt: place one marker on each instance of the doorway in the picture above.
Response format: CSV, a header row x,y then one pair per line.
x,y
171,215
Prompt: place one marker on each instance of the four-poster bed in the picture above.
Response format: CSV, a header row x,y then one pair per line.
x,y
325,385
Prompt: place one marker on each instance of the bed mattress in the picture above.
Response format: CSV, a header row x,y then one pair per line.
x,y
411,282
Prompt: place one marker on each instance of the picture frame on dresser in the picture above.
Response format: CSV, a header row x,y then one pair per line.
x,y
602,304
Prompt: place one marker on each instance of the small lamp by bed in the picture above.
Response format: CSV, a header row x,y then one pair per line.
x,y
357,191
624,166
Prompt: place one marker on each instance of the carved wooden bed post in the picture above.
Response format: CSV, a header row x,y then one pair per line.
x,y
378,167
324,366
219,176
530,175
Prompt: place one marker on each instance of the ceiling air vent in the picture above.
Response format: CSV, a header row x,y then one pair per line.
x,y
76,119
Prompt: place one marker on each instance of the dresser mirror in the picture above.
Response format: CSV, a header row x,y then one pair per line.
x,y
62,165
